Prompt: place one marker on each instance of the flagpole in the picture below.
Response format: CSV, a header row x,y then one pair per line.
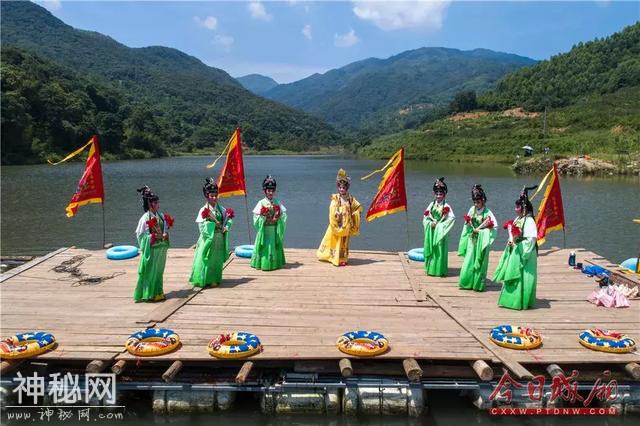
x,y
406,214
104,228
246,208
564,237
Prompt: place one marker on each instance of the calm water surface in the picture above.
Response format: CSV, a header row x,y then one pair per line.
x,y
598,211
599,214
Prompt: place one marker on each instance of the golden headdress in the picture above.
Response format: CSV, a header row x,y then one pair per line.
x,y
343,177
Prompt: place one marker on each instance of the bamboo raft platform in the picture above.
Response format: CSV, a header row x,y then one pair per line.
x,y
434,328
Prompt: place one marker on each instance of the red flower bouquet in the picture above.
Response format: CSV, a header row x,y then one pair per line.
x,y
490,224
507,224
169,219
230,214
276,210
205,213
427,212
446,210
515,231
467,218
152,222
264,211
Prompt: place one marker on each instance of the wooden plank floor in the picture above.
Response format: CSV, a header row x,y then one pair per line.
x,y
561,313
298,312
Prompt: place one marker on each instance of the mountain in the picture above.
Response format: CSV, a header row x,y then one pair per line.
x,y
164,99
383,95
599,66
592,95
256,83
602,126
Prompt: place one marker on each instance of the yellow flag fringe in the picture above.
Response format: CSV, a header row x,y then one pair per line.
x,y
389,163
73,154
542,184
224,151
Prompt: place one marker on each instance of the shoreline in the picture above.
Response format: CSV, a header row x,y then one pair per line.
x,y
582,165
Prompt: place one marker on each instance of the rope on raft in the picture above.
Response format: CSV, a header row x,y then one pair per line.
x,y
72,267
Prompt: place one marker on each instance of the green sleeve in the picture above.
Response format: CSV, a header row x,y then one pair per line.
x,y
258,222
442,229
528,247
281,227
467,230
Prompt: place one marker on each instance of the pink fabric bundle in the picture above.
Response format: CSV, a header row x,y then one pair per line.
x,y
609,297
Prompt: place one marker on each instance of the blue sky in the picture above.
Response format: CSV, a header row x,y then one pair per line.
x,y
290,40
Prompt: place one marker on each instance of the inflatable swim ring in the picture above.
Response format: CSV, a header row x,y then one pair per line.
x,y
122,252
234,345
606,341
631,263
363,343
26,345
152,342
515,337
244,251
416,254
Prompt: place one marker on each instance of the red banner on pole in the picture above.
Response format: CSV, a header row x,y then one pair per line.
x,y
231,181
90,189
392,196
551,213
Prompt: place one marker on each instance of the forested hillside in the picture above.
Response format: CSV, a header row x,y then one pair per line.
x,y
160,100
595,67
378,96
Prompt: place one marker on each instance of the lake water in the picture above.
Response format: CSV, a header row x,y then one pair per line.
x,y
599,215
599,211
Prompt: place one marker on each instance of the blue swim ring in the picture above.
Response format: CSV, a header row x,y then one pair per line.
x,y
630,263
244,251
416,254
122,252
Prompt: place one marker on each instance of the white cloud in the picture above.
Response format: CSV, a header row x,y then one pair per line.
x,y
210,22
258,11
306,31
223,42
51,4
303,3
346,39
393,15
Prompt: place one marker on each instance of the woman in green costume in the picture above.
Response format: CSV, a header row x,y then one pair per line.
x,y
478,234
212,248
269,219
153,240
518,265
438,221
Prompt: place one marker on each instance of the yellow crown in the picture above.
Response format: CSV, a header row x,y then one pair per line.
x,y
342,176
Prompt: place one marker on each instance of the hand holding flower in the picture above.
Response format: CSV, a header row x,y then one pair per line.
x,y
169,219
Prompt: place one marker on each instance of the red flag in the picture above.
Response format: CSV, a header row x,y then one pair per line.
x,y
90,189
392,196
551,213
231,181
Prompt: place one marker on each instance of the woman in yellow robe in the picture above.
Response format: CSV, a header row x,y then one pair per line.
x,y
344,222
